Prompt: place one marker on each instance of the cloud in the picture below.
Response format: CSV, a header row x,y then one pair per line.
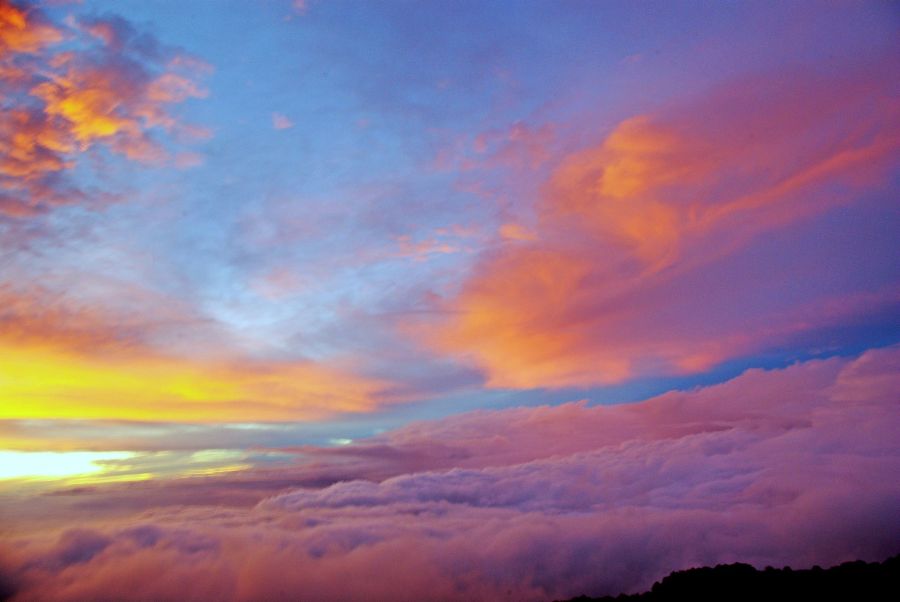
x,y
23,32
791,466
281,122
520,146
422,249
74,87
32,315
691,236
143,385
62,358
769,403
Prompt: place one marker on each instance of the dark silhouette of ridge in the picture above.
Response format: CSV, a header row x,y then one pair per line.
x,y
855,581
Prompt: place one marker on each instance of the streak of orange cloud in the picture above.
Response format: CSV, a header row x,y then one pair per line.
x,y
615,283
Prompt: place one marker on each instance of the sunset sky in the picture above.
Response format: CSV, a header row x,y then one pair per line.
x,y
443,300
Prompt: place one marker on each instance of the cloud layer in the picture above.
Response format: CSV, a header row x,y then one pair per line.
x,y
793,466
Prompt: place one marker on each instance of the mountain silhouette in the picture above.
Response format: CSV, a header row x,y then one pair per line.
x,y
855,581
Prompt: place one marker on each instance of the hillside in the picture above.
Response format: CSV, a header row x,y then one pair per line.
x,y
856,581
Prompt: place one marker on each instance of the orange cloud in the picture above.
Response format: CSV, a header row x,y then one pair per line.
x,y
96,104
639,265
109,87
614,190
22,31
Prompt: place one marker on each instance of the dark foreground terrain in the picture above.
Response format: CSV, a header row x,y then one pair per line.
x,y
855,581
852,581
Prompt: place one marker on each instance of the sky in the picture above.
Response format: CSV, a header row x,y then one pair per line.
x,y
443,300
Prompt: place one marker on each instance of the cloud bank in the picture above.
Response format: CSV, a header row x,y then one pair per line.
x,y
795,466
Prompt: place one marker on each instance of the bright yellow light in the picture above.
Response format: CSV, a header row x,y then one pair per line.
x,y
47,382
54,465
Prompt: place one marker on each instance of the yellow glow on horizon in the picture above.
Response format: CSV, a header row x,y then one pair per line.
x,y
54,465
46,382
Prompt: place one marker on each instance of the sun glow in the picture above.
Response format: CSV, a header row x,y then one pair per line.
x,y
42,381
54,465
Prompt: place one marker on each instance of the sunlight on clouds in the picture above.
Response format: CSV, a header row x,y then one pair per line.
x,y
214,461
72,468
52,465
637,233
44,382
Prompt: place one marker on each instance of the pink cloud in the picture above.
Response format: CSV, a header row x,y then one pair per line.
x,y
281,122
420,250
794,466
520,146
